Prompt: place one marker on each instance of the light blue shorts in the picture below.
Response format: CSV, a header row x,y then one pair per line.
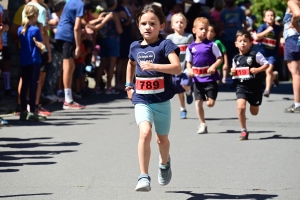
x,y
157,113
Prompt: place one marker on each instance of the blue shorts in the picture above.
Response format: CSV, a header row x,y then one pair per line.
x,y
181,79
79,70
291,49
271,60
157,113
110,47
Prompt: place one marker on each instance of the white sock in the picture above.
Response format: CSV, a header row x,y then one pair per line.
x,y
182,109
6,79
68,95
297,105
188,92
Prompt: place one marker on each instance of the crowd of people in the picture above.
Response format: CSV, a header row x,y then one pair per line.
x,y
154,51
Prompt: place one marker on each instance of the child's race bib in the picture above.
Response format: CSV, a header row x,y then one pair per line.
x,y
150,85
242,73
201,71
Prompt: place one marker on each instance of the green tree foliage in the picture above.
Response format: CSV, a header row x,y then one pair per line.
x,y
258,7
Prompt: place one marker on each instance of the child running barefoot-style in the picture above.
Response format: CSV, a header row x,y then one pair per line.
x,y
182,40
203,58
224,66
268,35
247,66
30,58
152,61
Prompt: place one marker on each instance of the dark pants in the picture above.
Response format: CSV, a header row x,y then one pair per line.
x,y
30,76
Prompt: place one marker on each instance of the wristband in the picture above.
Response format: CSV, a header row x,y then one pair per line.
x,y
128,85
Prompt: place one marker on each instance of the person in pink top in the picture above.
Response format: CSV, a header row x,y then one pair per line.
x,y
215,12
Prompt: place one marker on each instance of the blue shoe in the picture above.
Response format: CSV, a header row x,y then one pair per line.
x,y
164,173
189,98
143,184
183,114
3,122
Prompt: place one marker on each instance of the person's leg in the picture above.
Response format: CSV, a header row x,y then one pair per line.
x,y
6,75
210,102
68,70
294,68
181,101
25,77
111,70
269,80
33,86
100,71
241,107
200,110
144,150
254,110
41,82
163,147
211,90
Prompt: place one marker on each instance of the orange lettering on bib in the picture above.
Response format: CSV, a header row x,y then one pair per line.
x,y
150,85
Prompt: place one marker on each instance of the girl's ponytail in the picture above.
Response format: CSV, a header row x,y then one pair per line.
x,y
25,24
29,11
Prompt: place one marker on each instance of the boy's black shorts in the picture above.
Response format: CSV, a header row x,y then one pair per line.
x,y
67,49
254,97
206,90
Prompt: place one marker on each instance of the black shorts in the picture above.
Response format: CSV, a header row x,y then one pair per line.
x,y
67,49
5,53
206,90
254,97
45,64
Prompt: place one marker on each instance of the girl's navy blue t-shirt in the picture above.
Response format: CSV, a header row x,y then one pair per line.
x,y
156,53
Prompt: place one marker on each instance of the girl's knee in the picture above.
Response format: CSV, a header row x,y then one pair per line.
x,y
162,140
241,108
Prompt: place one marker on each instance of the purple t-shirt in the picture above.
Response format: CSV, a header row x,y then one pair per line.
x,y
201,56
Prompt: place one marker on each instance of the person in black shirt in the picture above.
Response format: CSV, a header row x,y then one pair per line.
x,y
247,67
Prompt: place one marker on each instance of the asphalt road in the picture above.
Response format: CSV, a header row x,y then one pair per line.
x,y
92,153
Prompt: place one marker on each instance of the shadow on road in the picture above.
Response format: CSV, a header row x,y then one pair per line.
x,y
233,131
25,195
197,196
216,119
280,137
11,159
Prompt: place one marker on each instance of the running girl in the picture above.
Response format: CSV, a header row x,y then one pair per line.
x,y
152,60
30,58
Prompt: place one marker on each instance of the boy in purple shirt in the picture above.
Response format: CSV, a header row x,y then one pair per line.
x,y
203,58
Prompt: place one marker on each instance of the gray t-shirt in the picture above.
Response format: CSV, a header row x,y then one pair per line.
x,y
182,42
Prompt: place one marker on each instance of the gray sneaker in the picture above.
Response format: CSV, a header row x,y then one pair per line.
x,y
292,109
164,173
202,128
143,184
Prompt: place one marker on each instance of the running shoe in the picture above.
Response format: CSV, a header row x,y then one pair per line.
x,y
35,117
164,173
143,184
42,111
111,91
244,135
73,105
202,128
189,98
292,109
183,114
266,93
4,122
276,80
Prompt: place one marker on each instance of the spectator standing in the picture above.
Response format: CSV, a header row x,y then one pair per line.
x,y
68,36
